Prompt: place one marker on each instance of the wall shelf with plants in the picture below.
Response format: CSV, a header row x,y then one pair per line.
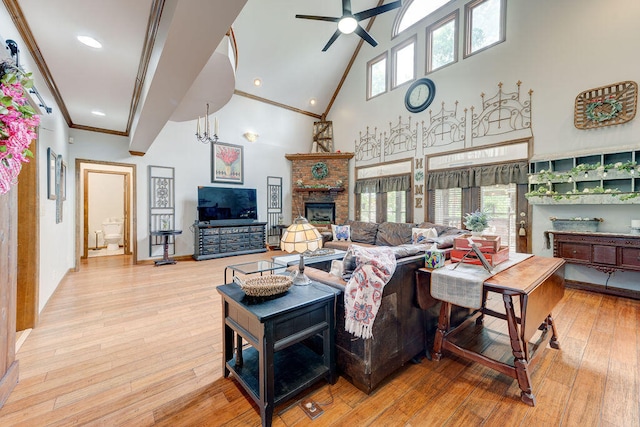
x,y
608,178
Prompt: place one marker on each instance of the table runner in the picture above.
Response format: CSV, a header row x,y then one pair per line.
x,y
463,286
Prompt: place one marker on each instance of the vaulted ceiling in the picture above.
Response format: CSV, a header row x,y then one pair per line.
x,y
165,59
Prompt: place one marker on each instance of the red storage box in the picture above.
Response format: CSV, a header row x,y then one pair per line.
x,y
486,244
493,258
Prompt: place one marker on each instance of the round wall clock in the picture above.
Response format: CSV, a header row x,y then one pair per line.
x,y
420,95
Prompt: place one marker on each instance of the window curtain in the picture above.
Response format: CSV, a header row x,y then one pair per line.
x,y
509,173
384,184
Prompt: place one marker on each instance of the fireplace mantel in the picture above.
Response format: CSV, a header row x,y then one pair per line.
x,y
324,190
318,156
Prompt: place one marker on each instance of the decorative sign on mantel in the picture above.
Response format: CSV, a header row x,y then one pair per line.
x,y
606,105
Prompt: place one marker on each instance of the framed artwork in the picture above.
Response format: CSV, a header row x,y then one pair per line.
x,y
59,195
63,181
52,157
227,163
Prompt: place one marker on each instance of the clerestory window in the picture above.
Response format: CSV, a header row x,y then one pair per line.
x,y
414,11
442,42
485,25
377,76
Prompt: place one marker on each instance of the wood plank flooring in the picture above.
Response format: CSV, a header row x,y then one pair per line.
x,y
123,345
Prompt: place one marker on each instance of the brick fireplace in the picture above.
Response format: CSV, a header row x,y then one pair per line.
x,y
332,189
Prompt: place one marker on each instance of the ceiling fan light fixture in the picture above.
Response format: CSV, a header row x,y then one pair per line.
x,y
90,41
347,25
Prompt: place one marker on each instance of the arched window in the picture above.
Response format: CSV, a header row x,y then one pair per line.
x,y
414,11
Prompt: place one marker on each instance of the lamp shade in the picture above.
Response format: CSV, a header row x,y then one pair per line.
x,y
301,236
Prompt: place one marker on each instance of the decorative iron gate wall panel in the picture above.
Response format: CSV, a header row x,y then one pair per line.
x,y
162,207
274,210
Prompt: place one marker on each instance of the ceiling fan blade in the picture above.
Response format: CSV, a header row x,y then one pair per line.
x,y
331,40
318,18
346,7
366,36
377,10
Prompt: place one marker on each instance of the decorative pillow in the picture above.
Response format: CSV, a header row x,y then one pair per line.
x,y
341,232
422,235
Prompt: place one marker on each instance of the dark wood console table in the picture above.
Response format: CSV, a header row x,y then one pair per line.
x,y
605,252
539,284
278,365
165,254
218,239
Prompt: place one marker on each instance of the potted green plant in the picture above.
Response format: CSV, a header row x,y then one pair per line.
x,y
476,222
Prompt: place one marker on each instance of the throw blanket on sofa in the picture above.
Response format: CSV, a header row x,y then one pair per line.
x,y
363,292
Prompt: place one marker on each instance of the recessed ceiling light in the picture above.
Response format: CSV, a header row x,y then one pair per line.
x,y
257,82
90,41
312,101
98,113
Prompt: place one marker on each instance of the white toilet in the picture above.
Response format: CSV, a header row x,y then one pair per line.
x,y
112,233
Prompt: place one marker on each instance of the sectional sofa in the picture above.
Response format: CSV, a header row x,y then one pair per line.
x,y
402,332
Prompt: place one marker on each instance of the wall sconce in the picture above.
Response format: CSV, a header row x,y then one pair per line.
x,y
251,136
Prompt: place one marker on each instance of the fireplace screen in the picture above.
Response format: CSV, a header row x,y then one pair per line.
x,y
320,212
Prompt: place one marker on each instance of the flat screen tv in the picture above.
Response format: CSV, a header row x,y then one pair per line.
x,y
225,203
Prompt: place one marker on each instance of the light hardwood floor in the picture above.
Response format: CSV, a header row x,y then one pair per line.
x,y
122,345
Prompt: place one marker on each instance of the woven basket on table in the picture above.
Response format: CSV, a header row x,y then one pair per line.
x,y
264,286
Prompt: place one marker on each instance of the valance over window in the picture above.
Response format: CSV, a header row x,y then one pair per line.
x,y
384,184
509,173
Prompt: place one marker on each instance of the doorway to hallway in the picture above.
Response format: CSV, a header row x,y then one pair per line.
x,y
106,210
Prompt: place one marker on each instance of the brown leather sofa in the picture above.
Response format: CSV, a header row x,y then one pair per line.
x,y
399,330
390,234
402,332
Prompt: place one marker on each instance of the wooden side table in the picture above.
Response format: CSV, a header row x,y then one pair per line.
x,y
278,365
539,284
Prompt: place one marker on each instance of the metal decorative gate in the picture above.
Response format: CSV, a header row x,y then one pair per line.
x,y
274,210
162,207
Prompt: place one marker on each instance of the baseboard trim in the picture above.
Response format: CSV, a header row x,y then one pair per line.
x,y
619,292
177,258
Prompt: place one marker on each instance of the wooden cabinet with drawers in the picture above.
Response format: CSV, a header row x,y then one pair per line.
x,y
216,241
606,252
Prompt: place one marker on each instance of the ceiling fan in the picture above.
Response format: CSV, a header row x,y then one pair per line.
x,y
349,22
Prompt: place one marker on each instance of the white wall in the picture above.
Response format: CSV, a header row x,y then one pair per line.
x,y
281,132
56,240
556,48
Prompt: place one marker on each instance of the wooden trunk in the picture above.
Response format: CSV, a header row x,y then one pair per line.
x,y
8,269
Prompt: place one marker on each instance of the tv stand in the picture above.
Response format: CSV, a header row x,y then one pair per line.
x,y
217,240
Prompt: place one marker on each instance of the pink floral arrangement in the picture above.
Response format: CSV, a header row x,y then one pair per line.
x,y
228,155
18,122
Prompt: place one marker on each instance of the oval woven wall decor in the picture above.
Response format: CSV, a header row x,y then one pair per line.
x,y
606,105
